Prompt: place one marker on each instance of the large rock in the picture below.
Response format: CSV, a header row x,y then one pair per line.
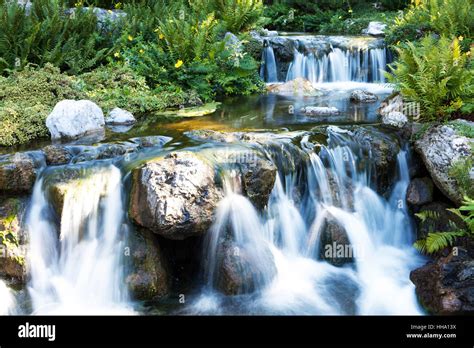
x,y
13,239
394,119
362,96
242,270
298,86
335,246
420,191
57,154
441,147
375,29
75,118
175,196
446,286
382,150
148,278
119,116
18,172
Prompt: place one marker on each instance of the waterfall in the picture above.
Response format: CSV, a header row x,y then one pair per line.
x,y
358,65
77,268
337,185
7,303
268,70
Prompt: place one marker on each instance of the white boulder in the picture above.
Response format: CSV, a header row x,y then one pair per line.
x,y
375,29
75,118
120,117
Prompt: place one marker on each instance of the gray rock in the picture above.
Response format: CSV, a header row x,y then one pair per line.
x,y
72,119
446,286
148,278
13,239
362,96
106,19
242,269
57,154
232,43
298,86
175,196
420,191
440,147
335,246
120,117
18,171
394,119
375,29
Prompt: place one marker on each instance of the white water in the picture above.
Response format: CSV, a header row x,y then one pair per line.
x,y
7,302
359,65
78,269
268,71
379,231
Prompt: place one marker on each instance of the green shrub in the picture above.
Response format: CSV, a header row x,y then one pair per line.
x,y
435,74
444,17
460,171
48,35
118,85
26,99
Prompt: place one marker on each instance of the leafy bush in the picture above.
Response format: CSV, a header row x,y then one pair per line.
x,y
434,73
48,35
26,99
119,86
444,17
437,241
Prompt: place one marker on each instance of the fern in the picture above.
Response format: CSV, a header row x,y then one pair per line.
x,y
437,241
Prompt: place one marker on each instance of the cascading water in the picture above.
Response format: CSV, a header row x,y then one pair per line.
x,y
78,269
378,229
7,303
268,70
358,65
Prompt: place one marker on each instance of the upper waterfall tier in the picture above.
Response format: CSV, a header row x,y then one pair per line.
x,y
324,58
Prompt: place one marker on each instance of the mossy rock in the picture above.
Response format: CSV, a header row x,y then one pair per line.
x,y
12,239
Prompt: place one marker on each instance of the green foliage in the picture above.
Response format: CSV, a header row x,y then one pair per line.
x,y
460,171
330,16
444,17
49,35
238,15
26,99
119,86
434,73
437,241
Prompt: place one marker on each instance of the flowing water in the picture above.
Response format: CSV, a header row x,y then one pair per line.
x,y
77,268
78,224
379,230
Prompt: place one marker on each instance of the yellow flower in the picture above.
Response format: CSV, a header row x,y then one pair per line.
x,y
142,51
118,5
116,54
461,38
468,53
130,38
350,10
161,36
178,64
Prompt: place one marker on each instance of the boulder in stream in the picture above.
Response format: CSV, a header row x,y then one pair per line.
x,y
298,86
446,286
13,239
148,278
320,111
362,96
420,191
75,118
175,196
18,171
375,29
119,116
440,148
240,271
